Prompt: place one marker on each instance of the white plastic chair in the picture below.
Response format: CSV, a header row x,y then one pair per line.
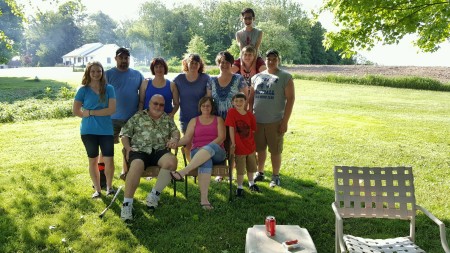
x,y
362,192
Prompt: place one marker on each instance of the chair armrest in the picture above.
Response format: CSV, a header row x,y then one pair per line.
x,y
441,227
339,228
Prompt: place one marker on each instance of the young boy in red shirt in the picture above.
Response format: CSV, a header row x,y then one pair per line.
x,y
242,125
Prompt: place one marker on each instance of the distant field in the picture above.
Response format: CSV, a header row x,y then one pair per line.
x,y
439,73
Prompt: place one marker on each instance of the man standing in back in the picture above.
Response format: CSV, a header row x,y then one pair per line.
x,y
272,104
126,82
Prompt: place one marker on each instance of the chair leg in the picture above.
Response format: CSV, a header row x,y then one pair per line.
x,y
174,188
230,177
185,186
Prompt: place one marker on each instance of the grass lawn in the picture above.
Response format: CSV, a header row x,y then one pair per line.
x,y
45,187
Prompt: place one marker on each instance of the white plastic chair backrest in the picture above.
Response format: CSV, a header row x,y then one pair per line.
x,y
375,192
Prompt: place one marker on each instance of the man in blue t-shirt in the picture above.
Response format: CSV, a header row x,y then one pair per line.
x,y
126,82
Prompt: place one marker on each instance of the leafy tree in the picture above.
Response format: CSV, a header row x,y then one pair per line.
x,y
11,30
53,34
100,28
149,28
198,46
234,49
221,25
318,54
280,38
364,23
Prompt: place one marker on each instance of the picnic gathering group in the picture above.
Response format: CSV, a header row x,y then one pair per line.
x,y
243,111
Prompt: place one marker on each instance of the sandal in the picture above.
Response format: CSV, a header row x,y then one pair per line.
x,y
207,206
176,176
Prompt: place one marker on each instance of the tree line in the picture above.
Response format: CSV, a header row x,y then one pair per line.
x,y
167,32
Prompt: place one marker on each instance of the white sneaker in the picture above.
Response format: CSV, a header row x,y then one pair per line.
x,y
152,200
275,181
258,177
127,211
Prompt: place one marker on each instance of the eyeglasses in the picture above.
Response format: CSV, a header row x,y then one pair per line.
x,y
156,104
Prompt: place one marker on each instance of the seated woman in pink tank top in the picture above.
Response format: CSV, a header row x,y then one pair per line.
x,y
207,133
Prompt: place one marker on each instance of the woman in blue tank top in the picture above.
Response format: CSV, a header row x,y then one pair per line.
x,y
159,85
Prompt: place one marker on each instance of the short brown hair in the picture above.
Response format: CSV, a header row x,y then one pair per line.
x,y
204,100
156,61
225,54
248,10
193,57
239,95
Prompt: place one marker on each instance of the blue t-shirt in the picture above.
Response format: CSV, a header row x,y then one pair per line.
x,y
190,94
165,91
126,85
98,125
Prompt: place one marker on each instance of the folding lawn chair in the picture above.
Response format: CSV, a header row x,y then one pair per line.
x,y
223,170
362,192
151,172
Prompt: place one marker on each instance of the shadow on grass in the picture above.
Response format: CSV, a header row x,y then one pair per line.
x,y
178,224
192,229
181,225
13,89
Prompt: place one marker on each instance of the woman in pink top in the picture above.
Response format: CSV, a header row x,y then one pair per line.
x,y
207,133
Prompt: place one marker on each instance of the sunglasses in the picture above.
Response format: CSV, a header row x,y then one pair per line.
x,y
248,18
156,104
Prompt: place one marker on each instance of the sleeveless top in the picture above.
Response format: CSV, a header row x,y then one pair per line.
x,y
249,37
165,91
204,134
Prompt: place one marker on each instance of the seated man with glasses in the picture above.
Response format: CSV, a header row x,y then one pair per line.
x,y
147,138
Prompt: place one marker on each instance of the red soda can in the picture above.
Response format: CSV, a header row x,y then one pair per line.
x,y
270,225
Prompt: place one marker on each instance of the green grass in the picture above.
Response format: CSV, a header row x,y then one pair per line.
x,y
34,99
45,181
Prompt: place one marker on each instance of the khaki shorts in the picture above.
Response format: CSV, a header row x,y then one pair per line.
x,y
117,126
267,135
245,161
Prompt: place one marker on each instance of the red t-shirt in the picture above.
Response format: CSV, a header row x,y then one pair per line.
x,y
244,128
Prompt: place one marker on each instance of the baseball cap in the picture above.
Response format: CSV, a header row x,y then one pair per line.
x,y
272,52
122,50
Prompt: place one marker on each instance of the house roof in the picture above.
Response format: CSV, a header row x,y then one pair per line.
x,y
84,50
108,49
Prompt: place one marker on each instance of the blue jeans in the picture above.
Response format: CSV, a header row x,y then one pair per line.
x,y
217,153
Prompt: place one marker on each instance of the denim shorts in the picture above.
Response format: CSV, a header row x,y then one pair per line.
x,y
92,142
217,153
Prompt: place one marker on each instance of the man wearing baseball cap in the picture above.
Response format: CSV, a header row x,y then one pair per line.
x,y
272,103
126,82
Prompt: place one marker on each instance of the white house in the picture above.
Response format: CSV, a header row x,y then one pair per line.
x,y
78,57
93,52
